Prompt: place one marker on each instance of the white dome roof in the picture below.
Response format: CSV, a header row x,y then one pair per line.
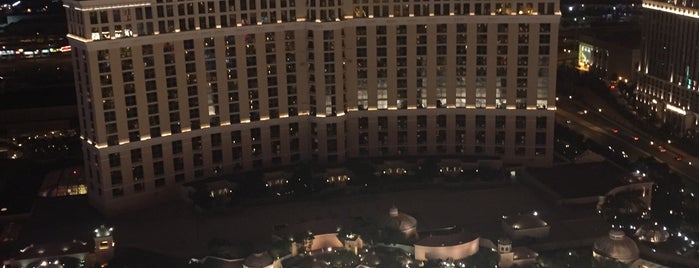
x,y
400,221
616,246
258,260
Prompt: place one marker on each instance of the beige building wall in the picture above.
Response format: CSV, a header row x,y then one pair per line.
x,y
171,92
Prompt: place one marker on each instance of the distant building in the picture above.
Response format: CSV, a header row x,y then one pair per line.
x,y
73,253
457,167
669,69
319,236
652,233
336,176
173,92
277,181
316,243
63,182
605,53
394,168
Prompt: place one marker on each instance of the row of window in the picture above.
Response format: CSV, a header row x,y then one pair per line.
x,y
201,107
364,9
170,17
138,175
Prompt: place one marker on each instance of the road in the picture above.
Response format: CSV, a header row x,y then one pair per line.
x,y
609,129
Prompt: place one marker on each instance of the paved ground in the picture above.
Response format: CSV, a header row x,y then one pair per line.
x,y
175,230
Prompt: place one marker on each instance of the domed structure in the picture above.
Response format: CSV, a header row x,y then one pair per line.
x,y
525,225
402,222
371,260
616,246
652,233
259,260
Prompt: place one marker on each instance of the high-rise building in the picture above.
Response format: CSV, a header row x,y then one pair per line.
x,y
669,66
174,91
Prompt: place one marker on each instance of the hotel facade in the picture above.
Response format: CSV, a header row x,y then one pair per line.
x,y
669,66
174,91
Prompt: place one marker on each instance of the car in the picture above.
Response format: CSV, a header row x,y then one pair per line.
x,y
615,131
635,138
678,158
582,112
662,149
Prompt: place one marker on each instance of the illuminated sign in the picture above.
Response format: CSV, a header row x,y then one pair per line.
x,y
584,56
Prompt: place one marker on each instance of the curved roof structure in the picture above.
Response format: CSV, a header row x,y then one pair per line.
x,y
616,246
400,221
456,245
258,260
447,240
525,221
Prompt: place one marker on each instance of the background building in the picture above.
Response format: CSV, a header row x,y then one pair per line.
x,y
611,57
669,65
172,92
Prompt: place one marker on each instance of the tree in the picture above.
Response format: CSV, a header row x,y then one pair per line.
x,y
571,259
368,229
392,236
483,258
345,259
280,248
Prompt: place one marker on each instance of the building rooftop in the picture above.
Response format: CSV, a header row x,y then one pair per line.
x,y
616,246
457,237
399,220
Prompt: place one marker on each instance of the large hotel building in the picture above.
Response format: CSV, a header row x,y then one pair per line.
x,y
669,66
171,91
